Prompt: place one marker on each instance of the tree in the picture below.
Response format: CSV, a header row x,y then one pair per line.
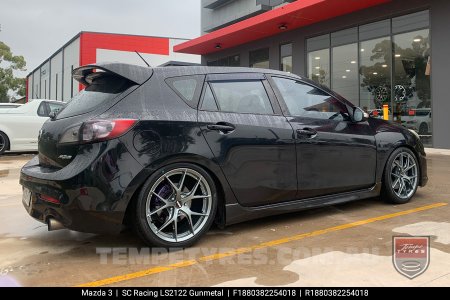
x,y
8,82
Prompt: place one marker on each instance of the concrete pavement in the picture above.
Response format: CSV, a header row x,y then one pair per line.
x,y
310,248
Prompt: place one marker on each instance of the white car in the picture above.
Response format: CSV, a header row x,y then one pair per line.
x,y
19,127
419,120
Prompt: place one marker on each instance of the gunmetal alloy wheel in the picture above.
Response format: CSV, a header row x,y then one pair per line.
x,y
177,206
404,175
401,176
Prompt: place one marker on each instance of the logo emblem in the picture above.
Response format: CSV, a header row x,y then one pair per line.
x,y
411,255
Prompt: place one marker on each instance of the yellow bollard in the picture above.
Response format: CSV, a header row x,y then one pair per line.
x,y
386,112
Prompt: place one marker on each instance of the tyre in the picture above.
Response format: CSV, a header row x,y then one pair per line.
x,y
4,143
423,129
400,177
176,206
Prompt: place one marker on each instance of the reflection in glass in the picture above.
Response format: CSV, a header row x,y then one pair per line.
x,y
375,75
230,61
259,58
319,66
412,90
286,57
345,72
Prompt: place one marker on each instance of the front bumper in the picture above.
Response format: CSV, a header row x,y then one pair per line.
x,y
423,170
90,194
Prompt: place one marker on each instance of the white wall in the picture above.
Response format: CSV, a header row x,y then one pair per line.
x,y
36,86
45,81
71,61
104,55
56,77
30,87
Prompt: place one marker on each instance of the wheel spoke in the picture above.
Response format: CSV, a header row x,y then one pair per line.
x,y
410,167
175,229
189,219
200,196
168,222
180,185
160,198
402,186
396,182
398,164
171,183
396,176
157,210
194,189
193,213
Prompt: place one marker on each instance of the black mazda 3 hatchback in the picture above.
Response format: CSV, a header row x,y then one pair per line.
x,y
171,150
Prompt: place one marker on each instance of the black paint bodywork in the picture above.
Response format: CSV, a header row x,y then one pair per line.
x,y
262,168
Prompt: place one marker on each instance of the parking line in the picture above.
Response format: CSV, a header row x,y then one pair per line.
x,y
187,263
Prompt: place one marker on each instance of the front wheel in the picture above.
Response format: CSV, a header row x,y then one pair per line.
x,y
401,177
176,206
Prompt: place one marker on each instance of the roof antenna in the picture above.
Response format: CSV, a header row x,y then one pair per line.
x,y
142,58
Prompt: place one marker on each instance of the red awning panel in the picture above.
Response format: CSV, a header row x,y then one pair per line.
x,y
294,15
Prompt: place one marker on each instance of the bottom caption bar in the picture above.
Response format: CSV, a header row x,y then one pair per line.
x,y
229,292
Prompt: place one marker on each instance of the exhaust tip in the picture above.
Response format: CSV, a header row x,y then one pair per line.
x,y
53,224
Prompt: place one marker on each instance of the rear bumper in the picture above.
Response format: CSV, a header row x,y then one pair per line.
x,y
91,194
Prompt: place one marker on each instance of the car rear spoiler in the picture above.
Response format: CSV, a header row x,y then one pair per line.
x,y
136,74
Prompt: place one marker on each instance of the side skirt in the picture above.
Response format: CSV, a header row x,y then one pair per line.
x,y
236,213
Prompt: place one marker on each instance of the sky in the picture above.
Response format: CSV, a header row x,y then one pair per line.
x,y
37,28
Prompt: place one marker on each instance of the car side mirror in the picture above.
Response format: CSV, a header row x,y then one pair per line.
x,y
359,115
53,113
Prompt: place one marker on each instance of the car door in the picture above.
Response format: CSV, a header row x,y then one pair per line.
x,y
25,127
334,154
250,138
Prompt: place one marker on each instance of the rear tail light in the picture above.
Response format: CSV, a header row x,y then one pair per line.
x,y
48,199
97,130
411,112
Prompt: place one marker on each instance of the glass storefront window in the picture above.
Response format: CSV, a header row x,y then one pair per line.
x,y
319,59
344,64
286,57
230,61
259,58
345,72
412,89
319,66
375,75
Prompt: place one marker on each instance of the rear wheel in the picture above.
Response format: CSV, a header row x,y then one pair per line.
x,y
176,206
4,142
423,129
401,177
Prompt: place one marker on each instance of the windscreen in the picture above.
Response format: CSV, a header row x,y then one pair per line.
x,y
102,90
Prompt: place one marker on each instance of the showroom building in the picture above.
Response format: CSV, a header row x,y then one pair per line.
x,y
373,52
53,78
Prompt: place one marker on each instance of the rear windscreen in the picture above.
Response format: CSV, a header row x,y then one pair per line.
x,y
102,90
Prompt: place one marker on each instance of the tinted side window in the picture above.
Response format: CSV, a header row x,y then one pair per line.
x,y
42,112
54,106
208,100
243,96
187,88
307,101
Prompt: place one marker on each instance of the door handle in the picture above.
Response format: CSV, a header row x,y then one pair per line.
x,y
222,127
306,132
